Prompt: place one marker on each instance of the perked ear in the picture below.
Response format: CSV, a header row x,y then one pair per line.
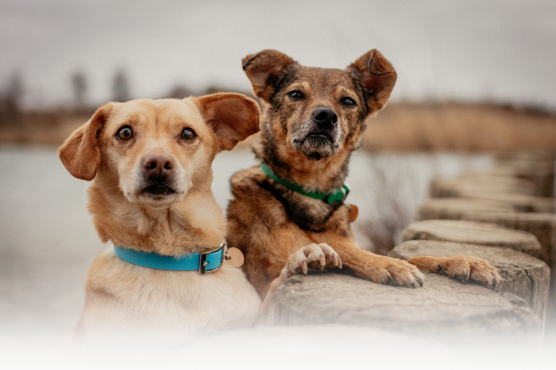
x,y
232,117
377,76
264,70
80,153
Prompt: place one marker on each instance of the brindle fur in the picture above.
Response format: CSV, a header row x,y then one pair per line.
x,y
268,221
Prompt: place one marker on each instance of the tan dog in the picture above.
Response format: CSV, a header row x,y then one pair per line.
x,y
150,162
314,120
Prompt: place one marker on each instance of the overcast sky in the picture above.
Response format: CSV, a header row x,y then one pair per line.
x,y
473,50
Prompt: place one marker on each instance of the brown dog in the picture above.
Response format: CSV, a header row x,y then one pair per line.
x,y
314,120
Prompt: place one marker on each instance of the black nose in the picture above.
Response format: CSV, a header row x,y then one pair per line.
x,y
325,117
158,164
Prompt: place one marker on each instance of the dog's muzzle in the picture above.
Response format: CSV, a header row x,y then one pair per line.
x,y
158,172
320,136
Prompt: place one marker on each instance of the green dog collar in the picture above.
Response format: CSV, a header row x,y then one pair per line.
x,y
337,195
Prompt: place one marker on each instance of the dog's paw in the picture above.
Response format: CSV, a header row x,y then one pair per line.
x,y
465,269
387,270
312,257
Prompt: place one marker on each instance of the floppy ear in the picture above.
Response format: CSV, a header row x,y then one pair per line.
x,y
264,70
232,117
377,76
80,153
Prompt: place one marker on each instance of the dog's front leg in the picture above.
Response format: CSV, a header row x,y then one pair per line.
x,y
379,269
462,268
311,257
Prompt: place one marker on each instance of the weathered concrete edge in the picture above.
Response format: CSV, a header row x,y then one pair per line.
x,y
290,313
538,277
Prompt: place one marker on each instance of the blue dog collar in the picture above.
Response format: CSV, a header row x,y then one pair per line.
x,y
202,262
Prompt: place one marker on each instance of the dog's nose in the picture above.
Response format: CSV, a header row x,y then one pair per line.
x,y
325,117
158,164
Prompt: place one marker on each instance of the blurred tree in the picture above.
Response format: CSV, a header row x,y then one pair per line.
x,y
213,89
14,92
79,86
179,92
120,87
12,99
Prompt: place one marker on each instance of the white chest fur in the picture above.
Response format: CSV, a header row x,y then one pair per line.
x,y
132,302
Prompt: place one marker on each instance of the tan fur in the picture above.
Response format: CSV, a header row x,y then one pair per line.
x,y
81,153
129,302
463,268
270,222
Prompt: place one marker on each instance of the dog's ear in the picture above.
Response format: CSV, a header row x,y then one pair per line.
x,y
264,70
80,153
377,76
232,117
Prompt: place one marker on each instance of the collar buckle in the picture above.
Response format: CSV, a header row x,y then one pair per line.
x,y
346,190
203,263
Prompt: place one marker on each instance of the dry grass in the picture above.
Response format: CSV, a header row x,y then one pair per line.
x,y
459,127
399,127
41,128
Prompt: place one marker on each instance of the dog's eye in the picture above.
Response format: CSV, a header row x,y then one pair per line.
x,y
125,133
348,102
296,95
188,134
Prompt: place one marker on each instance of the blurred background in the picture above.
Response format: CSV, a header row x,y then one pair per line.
x,y
475,79
469,72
